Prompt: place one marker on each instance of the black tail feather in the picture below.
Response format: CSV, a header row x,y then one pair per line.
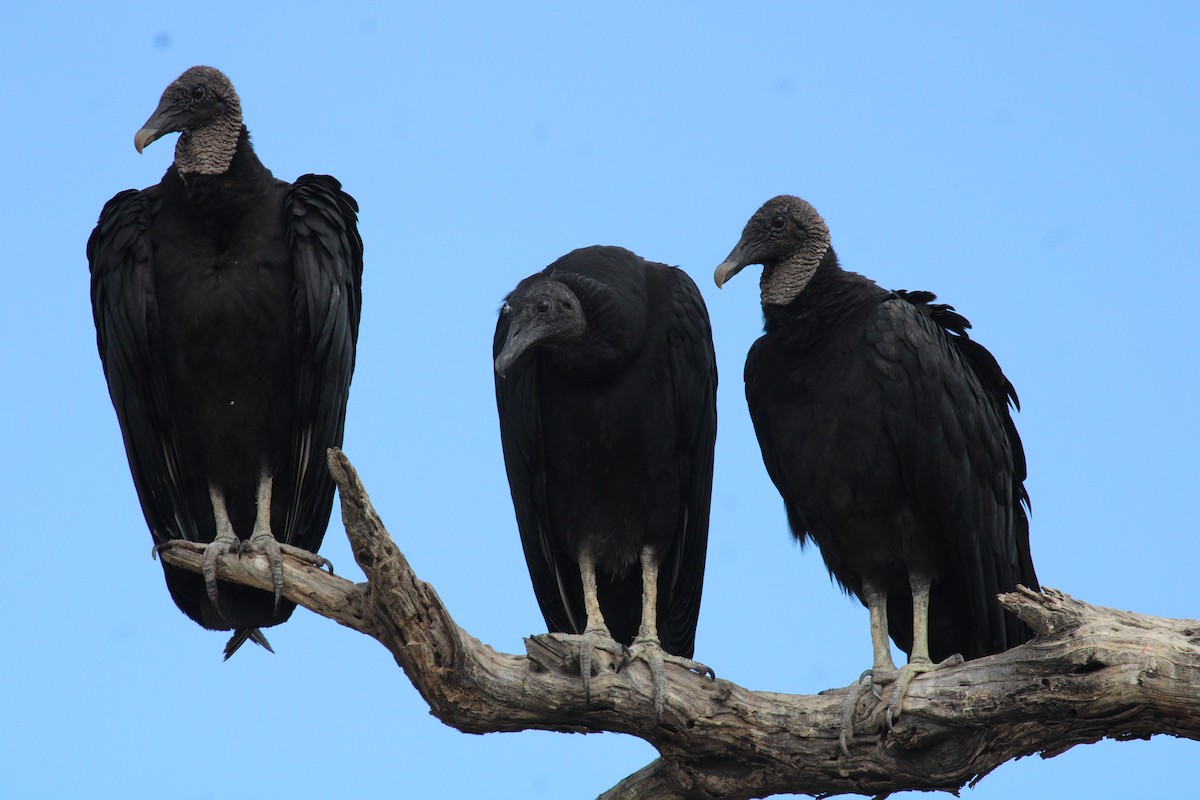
x,y
239,638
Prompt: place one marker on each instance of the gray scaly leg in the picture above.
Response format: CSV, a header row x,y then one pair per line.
x,y
647,645
919,661
225,543
597,629
263,541
883,669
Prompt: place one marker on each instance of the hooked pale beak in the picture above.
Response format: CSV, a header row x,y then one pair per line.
x,y
734,263
144,137
159,124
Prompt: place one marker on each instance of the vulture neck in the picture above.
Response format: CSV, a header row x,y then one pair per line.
x,y
616,323
229,192
783,282
210,150
830,294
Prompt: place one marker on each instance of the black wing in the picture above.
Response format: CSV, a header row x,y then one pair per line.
x,y
968,464
997,384
694,378
128,336
554,573
327,263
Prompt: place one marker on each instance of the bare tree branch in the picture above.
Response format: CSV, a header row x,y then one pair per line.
x,y
1091,673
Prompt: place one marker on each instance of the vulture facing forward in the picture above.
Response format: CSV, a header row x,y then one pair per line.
x,y
226,305
606,389
887,431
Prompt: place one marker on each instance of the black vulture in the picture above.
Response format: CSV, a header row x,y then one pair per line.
x,y
887,431
226,305
606,388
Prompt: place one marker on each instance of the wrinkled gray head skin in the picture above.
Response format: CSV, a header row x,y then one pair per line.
x,y
202,106
789,238
544,312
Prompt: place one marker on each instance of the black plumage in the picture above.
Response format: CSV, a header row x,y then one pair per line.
x,y
888,433
226,305
606,390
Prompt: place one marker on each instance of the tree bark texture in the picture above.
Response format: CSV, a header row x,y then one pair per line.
x,y
1090,673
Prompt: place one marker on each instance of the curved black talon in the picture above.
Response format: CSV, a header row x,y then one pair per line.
x,y
587,644
651,651
849,704
267,545
908,672
221,546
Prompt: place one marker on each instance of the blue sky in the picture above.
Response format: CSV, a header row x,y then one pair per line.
x,y
1036,166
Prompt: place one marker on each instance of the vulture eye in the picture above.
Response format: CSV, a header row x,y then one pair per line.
x,y
777,222
198,92
543,306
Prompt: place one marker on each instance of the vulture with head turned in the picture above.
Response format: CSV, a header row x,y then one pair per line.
x,y
226,305
606,387
887,430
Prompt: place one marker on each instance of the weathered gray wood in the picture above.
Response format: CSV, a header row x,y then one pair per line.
x,y
1091,673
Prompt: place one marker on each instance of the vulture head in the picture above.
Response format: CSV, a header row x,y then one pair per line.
x,y
544,312
202,106
789,238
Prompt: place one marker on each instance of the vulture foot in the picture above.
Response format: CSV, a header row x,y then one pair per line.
x,y
870,679
912,669
223,545
651,651
307,556
589,642
267,545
